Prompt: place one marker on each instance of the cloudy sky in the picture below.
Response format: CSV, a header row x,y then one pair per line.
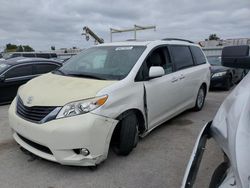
x,y
43,23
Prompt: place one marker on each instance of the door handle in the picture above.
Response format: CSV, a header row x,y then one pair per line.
x,y
174,79
181,77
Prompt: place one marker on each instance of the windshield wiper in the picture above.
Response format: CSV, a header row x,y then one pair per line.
x,y
87,76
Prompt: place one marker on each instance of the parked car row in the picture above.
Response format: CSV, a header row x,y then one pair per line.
x,y
17,71
224,77
108,96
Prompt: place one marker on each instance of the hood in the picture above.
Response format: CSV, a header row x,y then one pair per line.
x,y
57,90
231,130
218,68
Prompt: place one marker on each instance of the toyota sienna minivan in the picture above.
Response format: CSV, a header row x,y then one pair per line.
x,y
108,95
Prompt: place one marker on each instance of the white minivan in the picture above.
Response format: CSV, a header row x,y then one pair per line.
x,y
108,95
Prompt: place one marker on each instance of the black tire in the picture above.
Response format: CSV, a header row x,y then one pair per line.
x,y
128,135
243,75
219,175
199,104
228,83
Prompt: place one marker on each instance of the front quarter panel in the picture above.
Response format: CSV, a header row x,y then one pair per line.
x,y
122,96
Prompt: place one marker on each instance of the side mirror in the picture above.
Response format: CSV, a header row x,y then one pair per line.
x,y
156,71
236,57
2,78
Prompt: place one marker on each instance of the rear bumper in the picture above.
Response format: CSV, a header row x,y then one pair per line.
x,y
62,136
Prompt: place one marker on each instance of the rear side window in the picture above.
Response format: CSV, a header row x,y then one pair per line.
x,y
182,57
198,55
44,68
23,70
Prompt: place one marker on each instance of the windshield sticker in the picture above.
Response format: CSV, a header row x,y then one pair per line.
x,y
124,48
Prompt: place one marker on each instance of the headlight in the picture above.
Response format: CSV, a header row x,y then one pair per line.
x,y
81,107
219,74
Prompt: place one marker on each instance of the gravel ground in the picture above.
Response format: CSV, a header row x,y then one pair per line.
x,y
158,161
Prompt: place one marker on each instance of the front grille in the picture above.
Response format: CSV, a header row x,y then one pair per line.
x,y
35,145
34,113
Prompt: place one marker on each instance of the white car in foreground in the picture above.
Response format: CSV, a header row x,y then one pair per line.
x,y
109,94
230,129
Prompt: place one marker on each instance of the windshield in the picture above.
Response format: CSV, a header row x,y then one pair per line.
x,y
214,60
104,62
3,67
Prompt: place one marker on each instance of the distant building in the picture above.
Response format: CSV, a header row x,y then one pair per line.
x,y
212,51
214,47
226,42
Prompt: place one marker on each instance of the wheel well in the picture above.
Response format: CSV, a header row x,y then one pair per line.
x,y
205,86
139,115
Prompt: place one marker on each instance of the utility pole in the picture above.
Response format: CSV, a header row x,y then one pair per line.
x,y
134,29
88,32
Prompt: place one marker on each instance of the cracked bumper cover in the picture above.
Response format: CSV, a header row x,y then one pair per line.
x,y
61,136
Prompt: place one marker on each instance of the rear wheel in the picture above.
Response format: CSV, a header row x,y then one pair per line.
x,y
127,135
200,100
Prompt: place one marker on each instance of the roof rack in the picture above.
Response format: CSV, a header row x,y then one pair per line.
x,y
179,39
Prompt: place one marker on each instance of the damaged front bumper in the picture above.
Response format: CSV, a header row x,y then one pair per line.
x,y
62,140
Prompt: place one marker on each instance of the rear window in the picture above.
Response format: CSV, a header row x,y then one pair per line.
x,y
182,57
198,55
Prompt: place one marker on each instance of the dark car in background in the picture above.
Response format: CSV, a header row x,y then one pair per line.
x,y
223,77
47,55
17,71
